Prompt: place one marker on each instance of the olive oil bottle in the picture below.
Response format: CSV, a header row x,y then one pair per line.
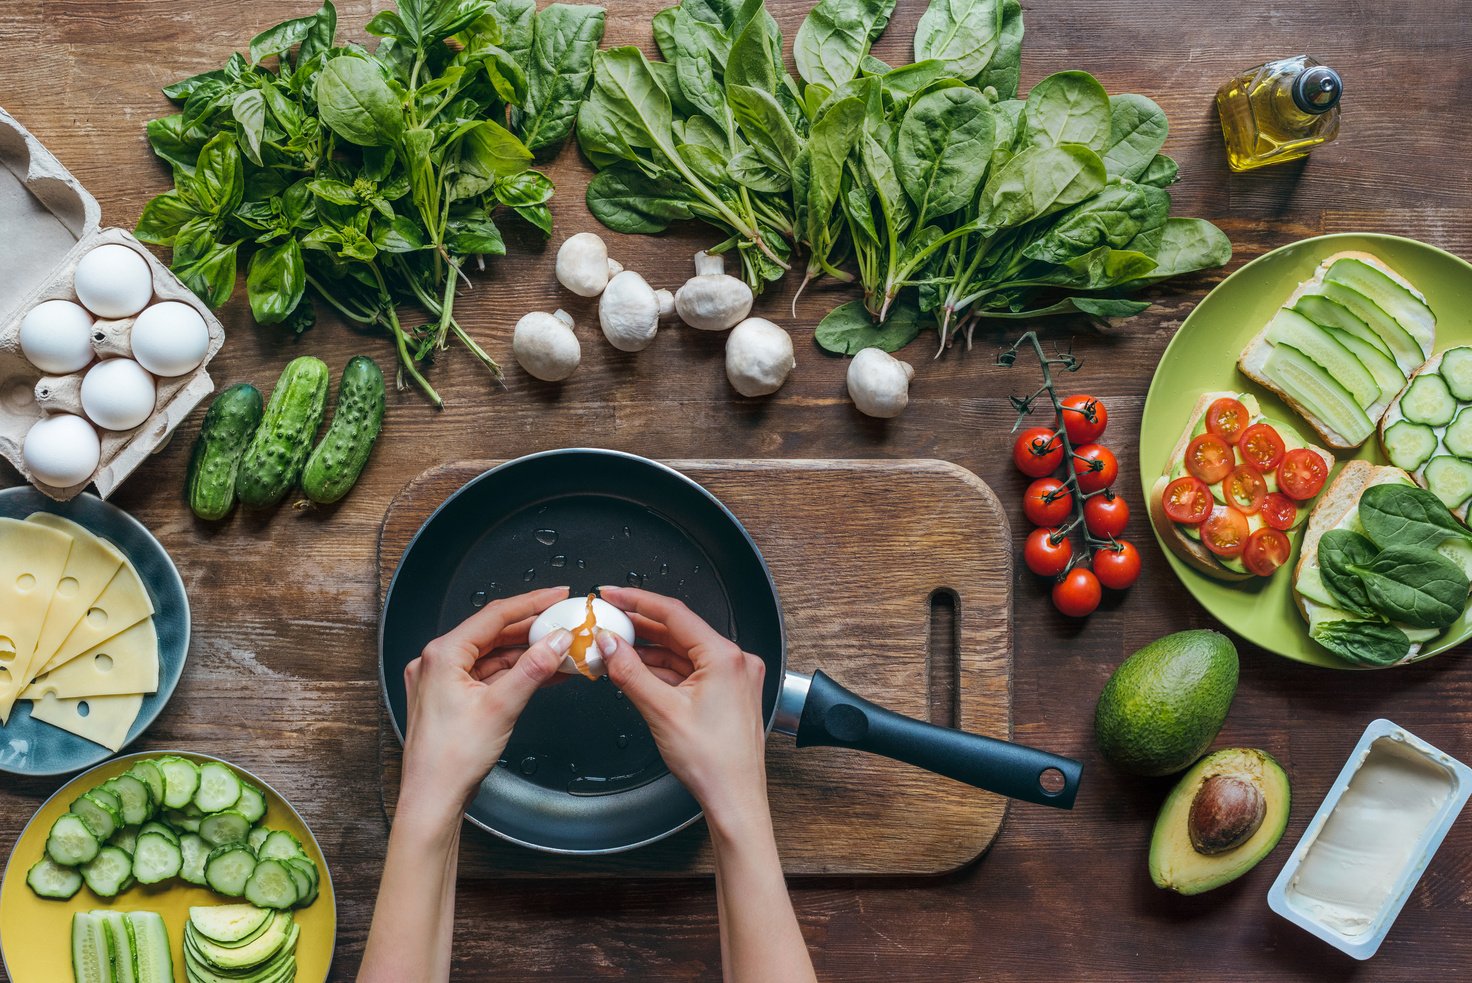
x,y
1279,111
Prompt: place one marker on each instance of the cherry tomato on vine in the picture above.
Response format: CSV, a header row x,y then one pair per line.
x,y
1245,488
1261,447
1302,474
1225,532
1095,466
1187,500
1266,551
1106,515
1047,502
1278,511
1117,567
1047,552
1038,452
1227,418
1210,458
1078,593
1085,418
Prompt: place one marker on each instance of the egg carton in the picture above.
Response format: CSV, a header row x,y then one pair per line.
x,y
50,221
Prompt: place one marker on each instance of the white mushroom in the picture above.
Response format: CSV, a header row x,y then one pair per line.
x,y
544,345
879,383
758,357
711,300
629,311
583,265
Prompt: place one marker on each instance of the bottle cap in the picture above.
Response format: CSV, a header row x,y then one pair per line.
x,y
1317,90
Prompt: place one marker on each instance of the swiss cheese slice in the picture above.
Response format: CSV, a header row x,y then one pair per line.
x,y
121,605
103,720
124,664
32,558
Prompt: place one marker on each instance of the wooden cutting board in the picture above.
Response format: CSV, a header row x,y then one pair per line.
x,y
863,553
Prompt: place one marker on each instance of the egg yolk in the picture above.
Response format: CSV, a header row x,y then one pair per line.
x,y
582,638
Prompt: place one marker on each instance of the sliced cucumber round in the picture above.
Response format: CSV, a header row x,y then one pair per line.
x,y
1449,479
156,858
1429,401
271,885
1409,445
50,879
1458,436
219,787
228,868
107,872
181,780
224,827
1456,369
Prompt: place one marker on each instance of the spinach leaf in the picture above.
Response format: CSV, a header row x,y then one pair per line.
x,y
1418,587
627,200
1367,643
1068,107
1405,515
965,34
835,37
1188,245
565,41
356,102
1137,131
850,328
1162,172
944,136
1113,217
1004,71
1040,181
1340,552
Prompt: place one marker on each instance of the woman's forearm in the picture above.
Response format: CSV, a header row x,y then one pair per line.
x,y
413,924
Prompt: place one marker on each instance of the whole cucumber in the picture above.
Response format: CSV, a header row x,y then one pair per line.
x,y
339,457
228,426
273,461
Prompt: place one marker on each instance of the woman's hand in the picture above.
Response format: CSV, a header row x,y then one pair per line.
x,y
466,691
701,697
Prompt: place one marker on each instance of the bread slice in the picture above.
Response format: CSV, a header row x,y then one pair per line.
x,y
1191,551
1255,355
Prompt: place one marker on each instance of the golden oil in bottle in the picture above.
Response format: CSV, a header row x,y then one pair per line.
x,y
1279,111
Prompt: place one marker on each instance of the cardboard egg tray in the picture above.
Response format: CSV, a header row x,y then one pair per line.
x,y
49,222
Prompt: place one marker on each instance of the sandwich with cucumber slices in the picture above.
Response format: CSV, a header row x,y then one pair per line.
x,y
1236,489
1427,431
1343,346
1384,568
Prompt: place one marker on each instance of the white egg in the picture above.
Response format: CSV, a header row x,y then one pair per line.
x,y
117,394
170,339
572,614
56,336
62,450
113,281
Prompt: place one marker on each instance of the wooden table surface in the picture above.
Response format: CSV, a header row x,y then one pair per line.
x,y
281,676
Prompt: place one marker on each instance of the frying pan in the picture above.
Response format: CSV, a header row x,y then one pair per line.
x,y
581,774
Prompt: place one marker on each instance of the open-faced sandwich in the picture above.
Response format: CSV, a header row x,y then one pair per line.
x,y
1427,431
1384,568
1236,488
1343,346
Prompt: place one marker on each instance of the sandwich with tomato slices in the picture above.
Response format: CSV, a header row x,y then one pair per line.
x,y
1237,489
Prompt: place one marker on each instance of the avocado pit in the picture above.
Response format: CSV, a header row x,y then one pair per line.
x,y
1225,813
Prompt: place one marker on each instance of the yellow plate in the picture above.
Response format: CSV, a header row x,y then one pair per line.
x,y
36,933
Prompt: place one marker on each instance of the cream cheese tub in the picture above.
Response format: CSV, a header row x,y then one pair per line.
x,y
1367,846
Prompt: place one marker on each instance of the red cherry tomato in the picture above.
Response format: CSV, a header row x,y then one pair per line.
x,y
1302,474
1225,532
1038,452
1245,488
1279,512
1047,552
1106,515
1227,418
1095,466
1210,458
1266,551
1084,417
1077,594
1047,502
1188,501
1117,567
1261,447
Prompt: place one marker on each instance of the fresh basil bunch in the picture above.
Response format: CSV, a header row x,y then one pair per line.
x,y
943,191
370,179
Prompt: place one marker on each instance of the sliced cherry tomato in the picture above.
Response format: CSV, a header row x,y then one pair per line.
x,y
1078,594
1047,552
1117,566
1227,418
1095,466
1245,488
1266,551
1047,502
1225,531
1084,417
1106,515
1261,447
1302,474
1187,500
1038,452
1210,458
1278,511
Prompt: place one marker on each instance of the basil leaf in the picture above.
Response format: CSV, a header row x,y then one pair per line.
x,y
218,181
476,236
1340,551
211,274
849,329
283,37
1366,643
1417,587
399,235
275,281
356,102
179,92
175,143
537,215
524,189
163,217
1404,515
249,110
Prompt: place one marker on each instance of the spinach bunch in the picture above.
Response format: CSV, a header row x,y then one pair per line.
x,y
370,179
1402,571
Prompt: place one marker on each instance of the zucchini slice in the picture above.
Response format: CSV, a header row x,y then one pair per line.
x,y
1449,479
108,872
1409,445
1456,369
50,879
1429,401
70,842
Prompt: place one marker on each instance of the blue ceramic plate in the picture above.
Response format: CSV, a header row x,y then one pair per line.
x,y
29,747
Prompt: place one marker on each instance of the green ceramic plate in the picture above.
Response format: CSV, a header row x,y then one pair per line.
x,y
1203,357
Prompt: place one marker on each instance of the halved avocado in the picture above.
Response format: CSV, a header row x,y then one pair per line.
x,y
1221,819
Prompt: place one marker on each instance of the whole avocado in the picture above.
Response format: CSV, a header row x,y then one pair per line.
x,y
1165,704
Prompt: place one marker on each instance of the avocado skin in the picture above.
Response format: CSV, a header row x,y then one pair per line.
x,y
1174,863
1164,705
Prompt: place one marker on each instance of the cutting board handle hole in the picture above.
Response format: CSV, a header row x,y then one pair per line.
x,y
1052,781
943,662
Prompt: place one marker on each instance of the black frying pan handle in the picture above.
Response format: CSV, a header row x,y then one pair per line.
x,y
834,717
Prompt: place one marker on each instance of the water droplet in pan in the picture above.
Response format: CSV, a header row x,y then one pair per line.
x,y
478,599
634,579
582,564
529,765
623,740
546,536
664,569
559,561
529,575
